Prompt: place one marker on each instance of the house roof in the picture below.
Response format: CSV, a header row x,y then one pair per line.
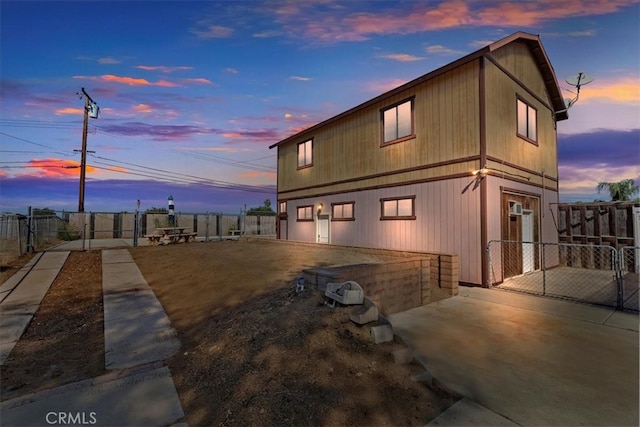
x,y
539,55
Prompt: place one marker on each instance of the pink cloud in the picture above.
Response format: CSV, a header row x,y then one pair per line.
x,y
199,81
131,81
162,68
402,57
69,110
142,108
625,90
213,32
55,168
427,16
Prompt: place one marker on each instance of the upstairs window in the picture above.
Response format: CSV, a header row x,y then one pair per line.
x,y
283,208
305,154
397,122
398,208
527,121
305,213
342,211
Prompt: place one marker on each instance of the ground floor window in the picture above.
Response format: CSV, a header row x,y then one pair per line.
x,y
342,211
398,208
305,213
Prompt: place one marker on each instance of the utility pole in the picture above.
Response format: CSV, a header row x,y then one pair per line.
x,y
89,106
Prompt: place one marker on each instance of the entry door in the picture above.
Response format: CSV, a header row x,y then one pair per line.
x,y
323,229
528,258
284,230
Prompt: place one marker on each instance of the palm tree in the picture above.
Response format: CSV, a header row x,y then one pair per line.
x,y
620,191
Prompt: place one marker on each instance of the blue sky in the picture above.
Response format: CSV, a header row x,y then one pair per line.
x,y
191,94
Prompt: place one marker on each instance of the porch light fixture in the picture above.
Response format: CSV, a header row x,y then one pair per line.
x,y
482,172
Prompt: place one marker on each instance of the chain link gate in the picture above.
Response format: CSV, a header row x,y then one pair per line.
x,y
629,277
593,274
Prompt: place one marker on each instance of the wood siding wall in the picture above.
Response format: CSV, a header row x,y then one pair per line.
x,y
508,151
347,155
446,221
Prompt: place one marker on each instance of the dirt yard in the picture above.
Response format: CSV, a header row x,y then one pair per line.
x,y
254,352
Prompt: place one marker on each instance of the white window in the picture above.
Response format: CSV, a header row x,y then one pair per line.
x,y
305,154
397,122
305,213
342,211
398,208
283,208
527,121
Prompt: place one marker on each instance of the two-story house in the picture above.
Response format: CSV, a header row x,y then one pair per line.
x,y
448,162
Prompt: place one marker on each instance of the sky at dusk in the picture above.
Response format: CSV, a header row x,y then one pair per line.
x,y
192,94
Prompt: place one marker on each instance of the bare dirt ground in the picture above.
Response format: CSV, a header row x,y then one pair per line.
x,y
65,339
254,352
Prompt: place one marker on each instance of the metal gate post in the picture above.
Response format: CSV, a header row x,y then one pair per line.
x,y
618,263
544,270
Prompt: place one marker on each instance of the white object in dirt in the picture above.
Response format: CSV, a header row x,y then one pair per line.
x,y
346,293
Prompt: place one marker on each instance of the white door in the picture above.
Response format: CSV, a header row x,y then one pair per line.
x,y
323,229
528,258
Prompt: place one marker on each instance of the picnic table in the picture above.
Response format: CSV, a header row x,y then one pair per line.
x,y
166,235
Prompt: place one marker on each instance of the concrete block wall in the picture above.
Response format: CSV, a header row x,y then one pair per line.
x,y
394,286
445,272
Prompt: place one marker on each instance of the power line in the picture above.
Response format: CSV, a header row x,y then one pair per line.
x,y
55,150
209,183
226,161
184,178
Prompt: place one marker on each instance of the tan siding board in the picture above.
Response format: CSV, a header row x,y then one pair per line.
x,y
445,113
502,141
397,179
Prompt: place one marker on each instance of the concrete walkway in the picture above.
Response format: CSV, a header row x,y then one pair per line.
x,y
137,389
527,360
22,294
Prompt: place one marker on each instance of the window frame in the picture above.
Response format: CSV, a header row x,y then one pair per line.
x,y
305,165
411,135
529,107
334,217
282,208
305,219
384,217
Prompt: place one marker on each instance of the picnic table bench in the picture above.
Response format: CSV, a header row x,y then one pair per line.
x,y
167,235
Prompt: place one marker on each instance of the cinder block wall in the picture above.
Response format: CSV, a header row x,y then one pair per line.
x,y
394,286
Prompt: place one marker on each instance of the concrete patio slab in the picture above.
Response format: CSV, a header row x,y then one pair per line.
x,y
142,399
558,307
524,363
465,412
623,320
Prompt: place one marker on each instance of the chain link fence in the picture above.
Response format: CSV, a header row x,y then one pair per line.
x,y
630,277
20,234
595,274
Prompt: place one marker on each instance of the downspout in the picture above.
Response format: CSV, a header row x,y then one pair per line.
x,y
483,183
